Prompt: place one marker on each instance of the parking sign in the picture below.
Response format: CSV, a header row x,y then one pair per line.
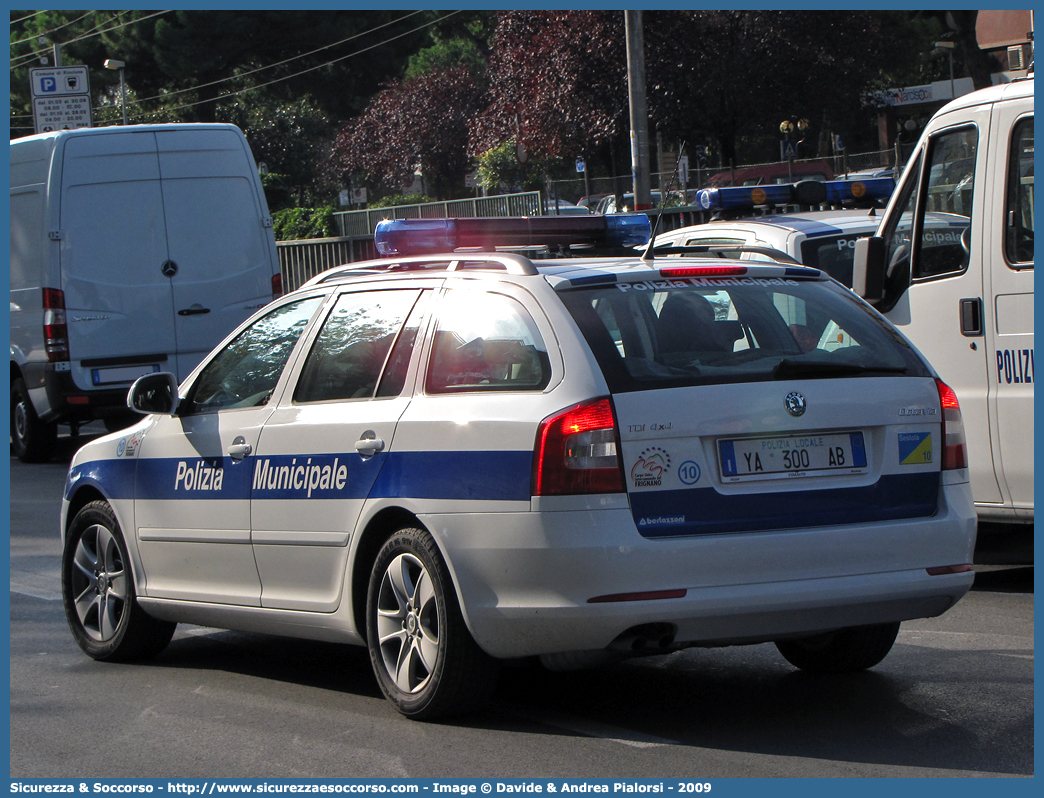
x,y
58,81
61,98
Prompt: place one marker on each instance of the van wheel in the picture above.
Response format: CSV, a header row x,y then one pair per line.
x,y
843,651
98,592
426,662
33,440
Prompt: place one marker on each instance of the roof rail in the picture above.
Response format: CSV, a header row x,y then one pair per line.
x,y
458,262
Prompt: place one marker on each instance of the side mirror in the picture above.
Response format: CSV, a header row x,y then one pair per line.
x,y
868,269
154,393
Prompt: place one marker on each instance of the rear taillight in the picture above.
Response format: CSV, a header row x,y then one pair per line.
x,y
955,447
277,286
577,452
55,329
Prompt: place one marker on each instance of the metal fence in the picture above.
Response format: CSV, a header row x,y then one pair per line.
x,y
363,223
299,261
575,188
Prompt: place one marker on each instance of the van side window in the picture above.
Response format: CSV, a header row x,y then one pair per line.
x,y
486,342
945,223
1018,210
245,372
348,355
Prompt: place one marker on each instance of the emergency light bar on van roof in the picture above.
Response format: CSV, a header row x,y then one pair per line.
x,y
806,192
431,236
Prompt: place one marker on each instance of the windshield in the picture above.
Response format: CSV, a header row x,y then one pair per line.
x,y
722,330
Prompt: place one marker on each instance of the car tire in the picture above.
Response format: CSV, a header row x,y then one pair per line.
x,y
33,440
843,651
98,592
426,662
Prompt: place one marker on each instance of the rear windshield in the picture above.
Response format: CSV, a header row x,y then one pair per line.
x,y
671,333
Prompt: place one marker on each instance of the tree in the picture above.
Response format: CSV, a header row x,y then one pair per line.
x,y
753,69
557,82
293,140
193,65
976,62
333,56
421,121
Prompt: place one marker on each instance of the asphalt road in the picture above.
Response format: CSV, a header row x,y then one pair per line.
x,y
953,699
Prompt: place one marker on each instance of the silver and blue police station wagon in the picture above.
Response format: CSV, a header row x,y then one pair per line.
x,y
457,455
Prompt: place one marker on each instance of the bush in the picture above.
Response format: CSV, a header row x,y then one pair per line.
x,y
401,199
294,224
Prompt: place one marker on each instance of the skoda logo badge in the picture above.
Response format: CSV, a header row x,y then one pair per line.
x,y
795,403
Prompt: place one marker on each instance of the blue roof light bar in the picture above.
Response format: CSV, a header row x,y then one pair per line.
x,y
875,188
807,192
432,236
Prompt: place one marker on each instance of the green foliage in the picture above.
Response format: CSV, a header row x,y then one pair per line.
x,y
444,55
500,167
293,140
294,224
400,199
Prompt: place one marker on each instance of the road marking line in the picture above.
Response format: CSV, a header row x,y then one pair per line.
x,y
602,731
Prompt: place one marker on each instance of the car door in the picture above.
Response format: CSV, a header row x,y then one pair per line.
x,y
1008,250
192,482
937,260
327,441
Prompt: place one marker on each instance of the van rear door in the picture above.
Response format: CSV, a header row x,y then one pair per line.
x,y
113,244
221,249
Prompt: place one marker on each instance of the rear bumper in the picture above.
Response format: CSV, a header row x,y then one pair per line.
x,y
526,580
52,390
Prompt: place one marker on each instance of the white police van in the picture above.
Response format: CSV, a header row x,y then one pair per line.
x,y
456,456
822,239
964,296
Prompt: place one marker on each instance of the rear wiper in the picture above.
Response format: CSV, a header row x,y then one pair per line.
x,y
791,367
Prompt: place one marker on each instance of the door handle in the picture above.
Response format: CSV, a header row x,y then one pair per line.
x,y
194,310
239,448
369,444
971,317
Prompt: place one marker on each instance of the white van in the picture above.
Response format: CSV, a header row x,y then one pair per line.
x,y
133,249
964,295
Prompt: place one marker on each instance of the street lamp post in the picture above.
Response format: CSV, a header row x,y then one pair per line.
x,y
112,63
948,47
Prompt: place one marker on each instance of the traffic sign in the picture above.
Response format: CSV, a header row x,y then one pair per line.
x,y
61,98
59,81
62,113
683,170
580,165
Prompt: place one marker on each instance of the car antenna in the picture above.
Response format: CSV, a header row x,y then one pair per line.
x,y
648,254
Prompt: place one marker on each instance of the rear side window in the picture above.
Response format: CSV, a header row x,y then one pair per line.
x,y
348,355
709,331
486,342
